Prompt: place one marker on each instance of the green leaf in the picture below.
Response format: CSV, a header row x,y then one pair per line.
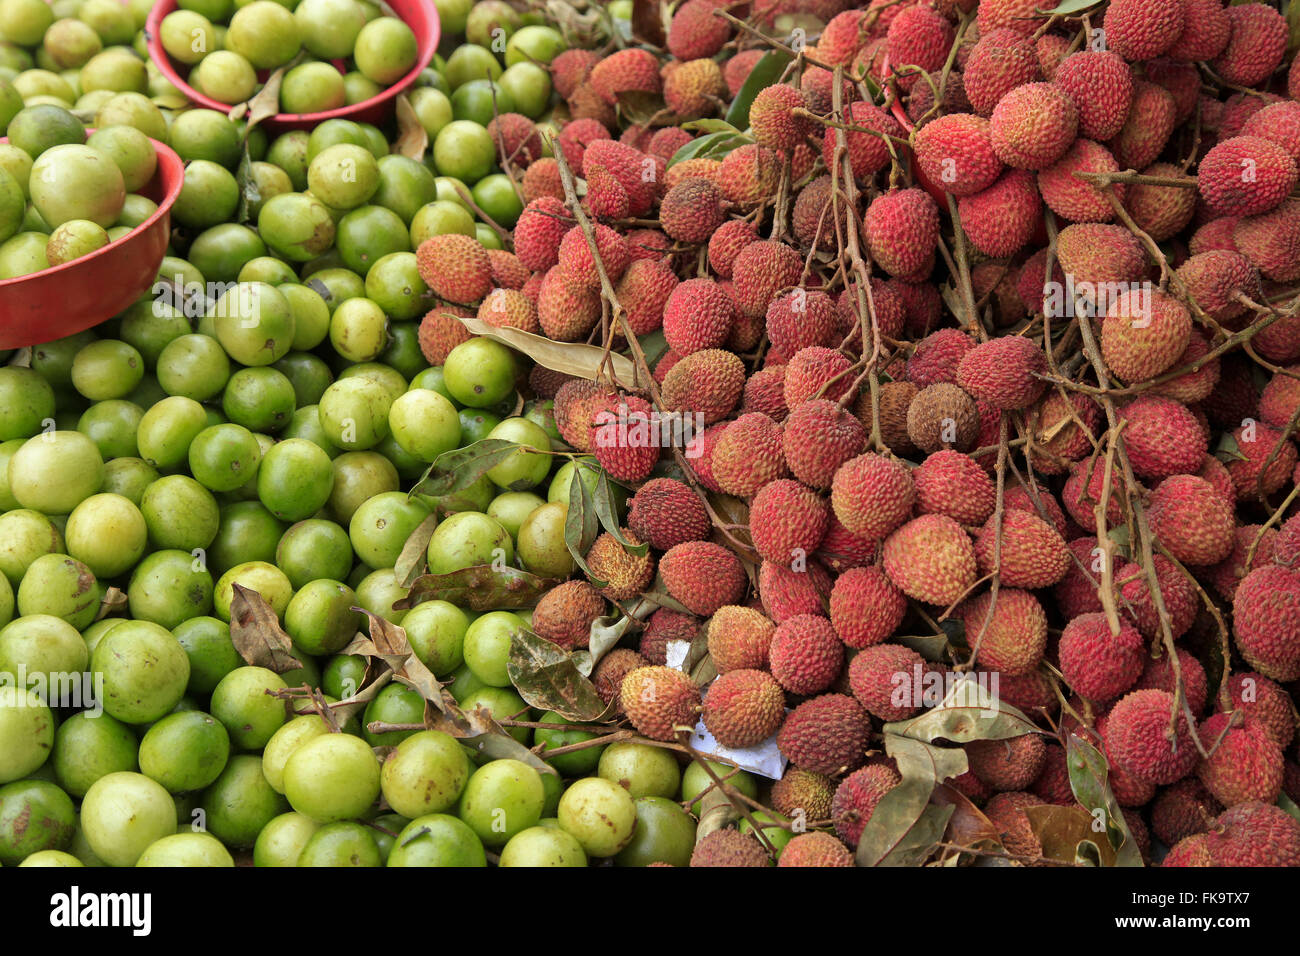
x,y
710,146
901,830
765,72
639,108
1089,781
459,468
547,677
711,126
1227,449
1287,804
581,525
1068,7
929,646
605,510
480,588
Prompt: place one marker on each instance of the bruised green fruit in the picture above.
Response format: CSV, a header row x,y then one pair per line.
x,y
425,774
144,671
254,323
469,539
332,777
437,839
502,798
599,814
344,175
123,813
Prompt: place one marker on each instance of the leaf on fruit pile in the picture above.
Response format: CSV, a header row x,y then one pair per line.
x,y
1089,781
477,729
711,146
969,826
765,72
351,706
1071,6
267,101
1286,803
459,468
1227,450
605,633
256,633
929,646
607,511
411,562
572,358
968,712
113,601
547,677
640,108
710,126
249,194
388,642
648,22
480,588
581,525
170,101
412,139
1069,834
905,826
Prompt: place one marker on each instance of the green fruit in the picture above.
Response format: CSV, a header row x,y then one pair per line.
x,y
529,85
599,814
25,21
695,781
107,533
225,76
26,732
312,88
404,184
341,844
42,126
358,330
112,426
394,284
344,175
487,646
332,777
123,813
298,226
281,841
294,479
76,182
527,467
440,217
185,751
640,769
378,591
320,619
464,149
385,50
426,774
55,471
260,399
25,535
358,476
433,109
90,745
240,802
540,542
665,833
222,251
144,671
358,88
380,527
13,204
577,763
131,150
223,457
535,44
46,654
354,413
167,429
61,588
208,197
270,270
253,322
502,798
188,850
266,579
497,197
265,34
194,367
206,642
470,62
368,234
241,702
35,815
436,630
437,840
169,587
180,513
26,401
469,539
479,100
425,424
480,373
314,548
329,28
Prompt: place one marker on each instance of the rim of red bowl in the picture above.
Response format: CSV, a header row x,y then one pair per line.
x,y
426,44
166,157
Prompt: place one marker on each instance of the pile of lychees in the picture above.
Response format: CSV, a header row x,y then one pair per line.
x,y
990,318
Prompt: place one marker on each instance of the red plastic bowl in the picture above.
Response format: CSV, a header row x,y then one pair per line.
x,y
420,15
72,297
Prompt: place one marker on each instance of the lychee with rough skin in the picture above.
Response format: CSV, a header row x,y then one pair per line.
x,y
564,614
1160,211
868,153
1266,621
738,67
815,848
1138,604
636,172
576,405
665,626
1259,446
1265,701
730,848
999,62
1162,437
566,310
538,232
803,793
930,559
918,37
695,32
1004,372
841,38
743,708
606,197
1012,763
865,607
1012,638
902,228
692,210
441,331
819,436
765,393
608,674
937,356
943,416
726,242
658,699
1144,333
800,319
881,677
949,482
509,308
1185,809
1099,257
1243,764
872,495
455,268
749,174
749,455
709,383
665,512
1206,29
625,71
1151,120
1271,241
579,263
1006,811
857,797
1033,125
1245,176
570,68
816,372
643,292
1028,553
826,734
1227,574
1256,45
787,520
698,315
771,118
1101,85
625,574
789,589
1001,220
1143,29
956,153
624,439
1021,15
805,655
694,87
702,576
1137,737
576,137
1096,663
1074,198
760,271
1194,522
